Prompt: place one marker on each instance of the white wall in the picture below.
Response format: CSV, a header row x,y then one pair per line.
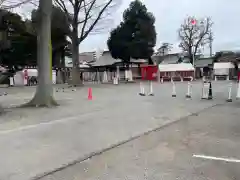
x,y
19,76
222,68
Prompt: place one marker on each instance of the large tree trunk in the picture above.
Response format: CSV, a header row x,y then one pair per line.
x,y
190,54
44,92
75,70
76,81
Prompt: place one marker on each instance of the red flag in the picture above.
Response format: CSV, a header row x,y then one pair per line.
x,y
193,22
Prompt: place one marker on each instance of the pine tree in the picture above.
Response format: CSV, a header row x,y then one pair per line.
x,y
135,37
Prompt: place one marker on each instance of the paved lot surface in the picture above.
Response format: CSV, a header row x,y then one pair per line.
x,y
35,141
168,153
105,97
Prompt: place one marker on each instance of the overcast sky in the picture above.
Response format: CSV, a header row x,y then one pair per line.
x,y
169,15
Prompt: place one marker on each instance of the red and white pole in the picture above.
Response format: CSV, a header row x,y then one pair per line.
x,y
238,89
25,77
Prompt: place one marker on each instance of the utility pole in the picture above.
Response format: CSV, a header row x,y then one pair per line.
x,y
210,43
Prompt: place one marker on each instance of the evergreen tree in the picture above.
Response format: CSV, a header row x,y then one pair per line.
x,y
18,46
135,37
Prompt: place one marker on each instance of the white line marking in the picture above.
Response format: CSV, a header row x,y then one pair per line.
x,y
217,158
62,120
36,125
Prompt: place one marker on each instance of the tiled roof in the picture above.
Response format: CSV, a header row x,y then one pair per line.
x,y
87,57
202,62
106,60
229,56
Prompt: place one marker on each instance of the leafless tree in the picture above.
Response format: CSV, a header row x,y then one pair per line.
x,y
85,17
194,34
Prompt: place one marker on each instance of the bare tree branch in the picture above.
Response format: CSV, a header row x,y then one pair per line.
x,y
84,16
193,36
7,4
96,21
62,5
89,14
71,1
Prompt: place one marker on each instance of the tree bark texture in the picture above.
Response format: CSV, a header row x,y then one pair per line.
x,y
44,92
76,81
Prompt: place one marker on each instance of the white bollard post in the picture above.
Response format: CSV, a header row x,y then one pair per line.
x,y
130,75
228,78
205,90
238,91
215,78
230,93
11,81
188,95
142,92
174,94
126,75
162,80
203,78
151,89
115,81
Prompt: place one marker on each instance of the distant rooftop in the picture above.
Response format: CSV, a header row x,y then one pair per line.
x,y
202,62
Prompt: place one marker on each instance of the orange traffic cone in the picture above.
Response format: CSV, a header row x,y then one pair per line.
x,y
89,93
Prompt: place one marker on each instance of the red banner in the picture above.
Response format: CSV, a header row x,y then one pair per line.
x,y
149,72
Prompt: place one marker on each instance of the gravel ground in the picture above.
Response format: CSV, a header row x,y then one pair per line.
x,y
38,140
168,152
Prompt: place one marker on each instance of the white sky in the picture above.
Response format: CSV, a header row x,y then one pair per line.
x,y
169,15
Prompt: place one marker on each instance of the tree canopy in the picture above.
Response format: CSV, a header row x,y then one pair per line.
x,y
60,30
135,37
18,44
